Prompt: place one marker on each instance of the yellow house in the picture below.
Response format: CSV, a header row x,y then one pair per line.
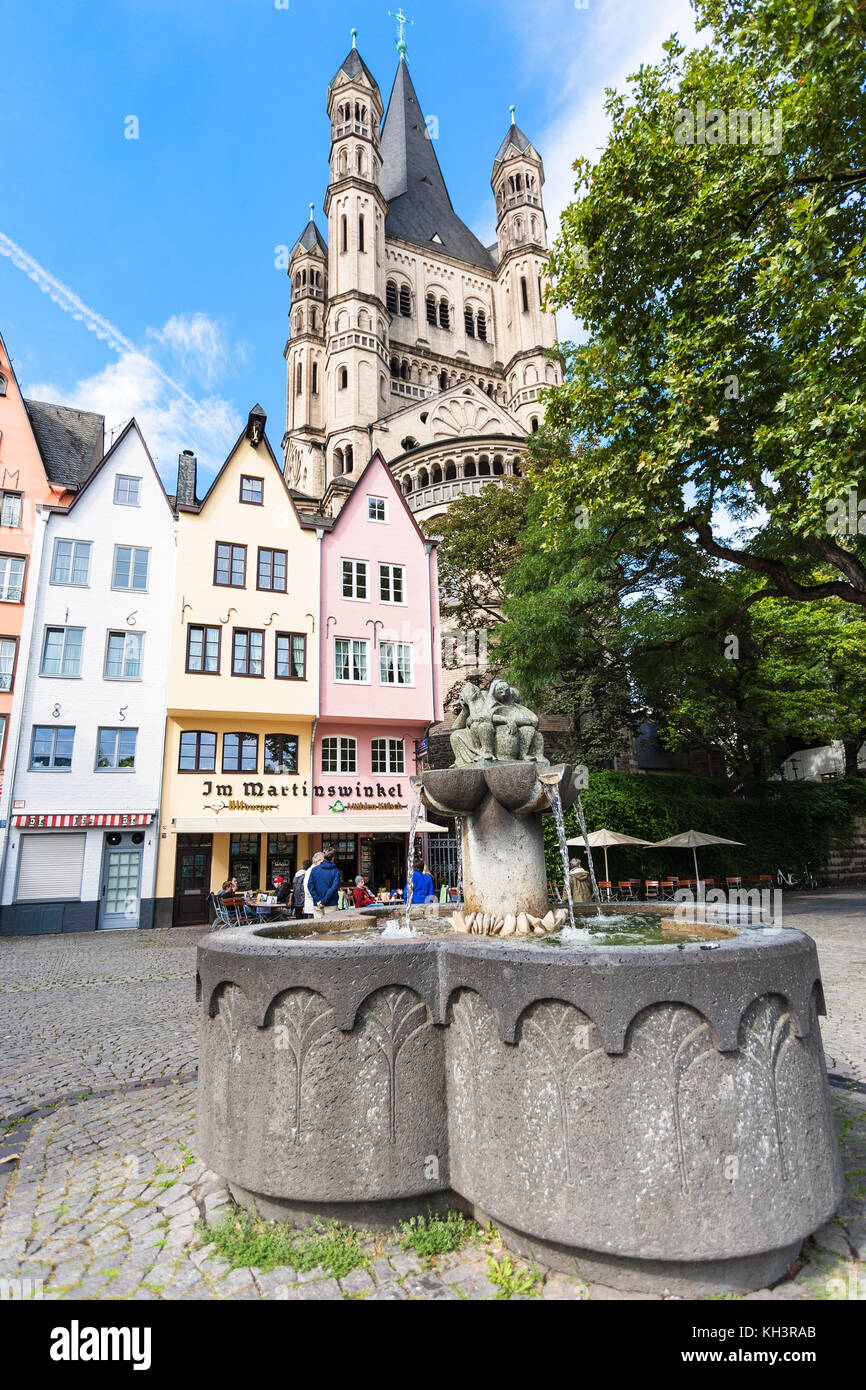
x,y
243,683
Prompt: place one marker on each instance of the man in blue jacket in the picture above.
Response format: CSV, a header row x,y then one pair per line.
x,y
324,885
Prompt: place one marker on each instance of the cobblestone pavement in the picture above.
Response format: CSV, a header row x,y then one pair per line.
x,y
105,1198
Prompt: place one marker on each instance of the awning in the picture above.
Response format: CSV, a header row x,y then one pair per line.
x,y
82,820
345,824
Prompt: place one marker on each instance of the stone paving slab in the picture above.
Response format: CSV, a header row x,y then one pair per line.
x,y
105,1198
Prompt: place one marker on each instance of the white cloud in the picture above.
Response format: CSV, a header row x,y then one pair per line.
x,y
200,346
135,386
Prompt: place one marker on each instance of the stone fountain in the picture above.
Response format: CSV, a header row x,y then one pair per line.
x,y
655,1116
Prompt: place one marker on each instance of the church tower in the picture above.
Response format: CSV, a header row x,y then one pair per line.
x,y
521,231
356,364
305,361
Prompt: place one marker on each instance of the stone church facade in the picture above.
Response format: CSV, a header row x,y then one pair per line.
x,y
408,335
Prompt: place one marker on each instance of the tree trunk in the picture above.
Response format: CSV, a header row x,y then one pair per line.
x,y
852,747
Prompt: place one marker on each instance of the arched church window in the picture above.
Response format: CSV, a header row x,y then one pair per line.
x,y
299,379
511,183
361,233
314,387
533,424
515,470
405,302
395,366
344,162
343,378
423,478
407,483
450,472
338,463
431,308
444,314
436,475
359,161
443,381
350,458
524,294
482,325
344,233
484,468
518,183
469,468
391,297
404,370
469,320
498,468
297,280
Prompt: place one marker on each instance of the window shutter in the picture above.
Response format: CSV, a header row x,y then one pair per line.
x,y
50,867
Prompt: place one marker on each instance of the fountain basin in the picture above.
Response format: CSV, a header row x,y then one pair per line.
x,y
658,1114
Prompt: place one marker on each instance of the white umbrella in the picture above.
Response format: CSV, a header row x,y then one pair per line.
x,y
693,839
601,839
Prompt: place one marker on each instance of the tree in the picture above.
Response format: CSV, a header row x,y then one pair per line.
x,y
722,285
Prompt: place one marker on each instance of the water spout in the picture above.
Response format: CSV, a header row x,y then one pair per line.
x,y
552,789
413,822
581,820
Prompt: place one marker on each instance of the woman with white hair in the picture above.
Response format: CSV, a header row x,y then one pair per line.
x,y
318,857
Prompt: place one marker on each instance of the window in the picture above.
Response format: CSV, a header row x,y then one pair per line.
x,y
482,331
130,568
230,565
391,297
343,378
360,234
272,570
533,424
376,509
127,491
354,579
240,752
291,662
70,563
61,651
115,750
248,652
469,322
339,755
253,491
2,384
388,755
12,578
197,751
51,747
281,754
391,586
315,385
444,315
431,309
10,509
203,649
350,660
299,379
405,302
123,656
8,650
395,663
344,234
524,294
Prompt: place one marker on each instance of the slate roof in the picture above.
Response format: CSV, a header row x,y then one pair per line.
x,y
515,137
70,441
309,239
353,65
419,207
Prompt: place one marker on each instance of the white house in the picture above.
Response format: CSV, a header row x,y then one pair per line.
x,y
81,844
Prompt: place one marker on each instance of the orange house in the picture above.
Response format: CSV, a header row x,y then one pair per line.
x,y
45,452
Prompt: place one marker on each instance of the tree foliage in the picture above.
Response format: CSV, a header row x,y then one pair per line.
x,y
722,286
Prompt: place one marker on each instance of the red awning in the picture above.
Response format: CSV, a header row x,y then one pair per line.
x,y
83,820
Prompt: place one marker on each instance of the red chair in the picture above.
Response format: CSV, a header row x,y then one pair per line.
x,y
605,888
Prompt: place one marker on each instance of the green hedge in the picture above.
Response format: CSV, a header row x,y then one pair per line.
x,y
783,825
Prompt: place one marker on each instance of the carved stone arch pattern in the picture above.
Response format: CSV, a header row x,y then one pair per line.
x,y
462,415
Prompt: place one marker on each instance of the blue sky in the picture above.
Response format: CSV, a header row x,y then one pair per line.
x,y
167,243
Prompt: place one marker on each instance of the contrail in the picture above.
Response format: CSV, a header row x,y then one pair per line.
x,y
93,322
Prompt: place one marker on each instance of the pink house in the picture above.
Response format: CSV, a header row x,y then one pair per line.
x,y
380,674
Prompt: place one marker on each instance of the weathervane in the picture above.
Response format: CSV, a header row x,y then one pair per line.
x,y
312,205
512,109
402,21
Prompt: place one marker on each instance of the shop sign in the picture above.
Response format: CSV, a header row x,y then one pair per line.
x,y
120,819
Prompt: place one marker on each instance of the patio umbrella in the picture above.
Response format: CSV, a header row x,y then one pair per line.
x,y
693,839
602,839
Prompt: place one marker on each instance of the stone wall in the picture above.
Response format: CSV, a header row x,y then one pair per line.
x,y
847,867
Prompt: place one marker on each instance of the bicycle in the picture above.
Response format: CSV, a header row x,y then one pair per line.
x,y
804,880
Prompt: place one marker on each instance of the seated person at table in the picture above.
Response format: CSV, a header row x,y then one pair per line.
x,y
283,890
361,895
229,889
422,884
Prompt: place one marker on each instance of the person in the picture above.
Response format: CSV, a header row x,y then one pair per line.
x,y
298,888
578,878
308,901
422,884
324,885
229,889
283,888
361,895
